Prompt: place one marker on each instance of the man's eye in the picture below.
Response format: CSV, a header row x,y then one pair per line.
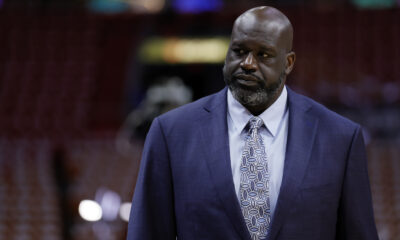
x,y
239,51
263,55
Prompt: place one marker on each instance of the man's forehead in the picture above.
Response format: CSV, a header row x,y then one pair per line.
x,y
266,34
265,23
250,25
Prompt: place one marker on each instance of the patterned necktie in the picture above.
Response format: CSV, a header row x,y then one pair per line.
x,y
254,183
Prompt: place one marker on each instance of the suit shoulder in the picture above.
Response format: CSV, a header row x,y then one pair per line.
x,y
329,117
186,110
189,114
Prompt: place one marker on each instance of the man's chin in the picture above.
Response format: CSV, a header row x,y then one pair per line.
x,y
249,97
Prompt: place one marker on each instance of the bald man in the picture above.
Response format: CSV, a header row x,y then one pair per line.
x,y
255,160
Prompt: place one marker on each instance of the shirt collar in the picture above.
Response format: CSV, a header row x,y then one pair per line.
x,y
271,117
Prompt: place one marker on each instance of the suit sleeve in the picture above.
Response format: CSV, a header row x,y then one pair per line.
x,y
355,216
152,213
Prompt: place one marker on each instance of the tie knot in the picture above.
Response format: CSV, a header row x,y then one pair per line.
x,y
255,123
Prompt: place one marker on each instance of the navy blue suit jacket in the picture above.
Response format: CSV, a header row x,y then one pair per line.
x,y
185,185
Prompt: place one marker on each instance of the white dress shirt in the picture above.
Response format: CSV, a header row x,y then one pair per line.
x,y
274,135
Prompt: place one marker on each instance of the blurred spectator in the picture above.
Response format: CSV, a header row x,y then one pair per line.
x,y
164,95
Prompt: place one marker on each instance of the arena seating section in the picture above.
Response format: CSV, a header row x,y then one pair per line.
x,y
60,87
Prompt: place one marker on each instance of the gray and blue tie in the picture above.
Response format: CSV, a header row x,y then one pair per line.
x,y
254,183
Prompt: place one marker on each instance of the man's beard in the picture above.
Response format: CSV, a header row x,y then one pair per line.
x,y
261,96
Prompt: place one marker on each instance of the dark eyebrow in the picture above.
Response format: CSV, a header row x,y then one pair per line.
x,y
266,46
262,46
267,49
236,44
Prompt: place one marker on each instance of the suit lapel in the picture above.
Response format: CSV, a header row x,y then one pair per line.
x,y
301,135
215,142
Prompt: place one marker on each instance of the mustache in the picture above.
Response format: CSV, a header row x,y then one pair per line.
x,y
247,76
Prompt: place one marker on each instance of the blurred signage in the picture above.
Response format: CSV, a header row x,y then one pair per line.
x,y
374,4
108,6
119,6
184,50
196,6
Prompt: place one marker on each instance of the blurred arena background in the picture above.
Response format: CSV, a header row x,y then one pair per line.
x,y
81,80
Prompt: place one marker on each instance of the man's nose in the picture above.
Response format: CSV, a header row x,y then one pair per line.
x,y
249,64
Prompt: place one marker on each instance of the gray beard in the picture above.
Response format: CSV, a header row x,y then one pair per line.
x,y
259,97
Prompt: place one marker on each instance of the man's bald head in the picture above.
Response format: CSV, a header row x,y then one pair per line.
x,y
259,58
268,18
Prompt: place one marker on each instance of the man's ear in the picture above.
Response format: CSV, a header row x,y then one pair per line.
x,y
290,59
